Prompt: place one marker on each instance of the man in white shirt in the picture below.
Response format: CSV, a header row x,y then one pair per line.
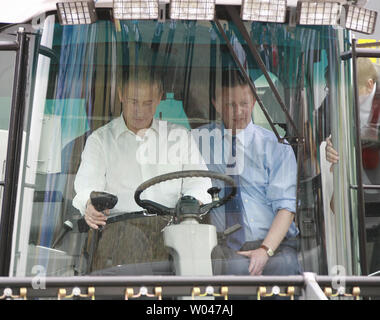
x,y
133,148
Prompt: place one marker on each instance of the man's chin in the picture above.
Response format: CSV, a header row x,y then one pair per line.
x,y
141,124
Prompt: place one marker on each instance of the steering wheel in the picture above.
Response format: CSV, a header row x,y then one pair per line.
x,y
192,204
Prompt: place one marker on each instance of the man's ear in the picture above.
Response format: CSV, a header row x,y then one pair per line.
x,y
254,102
370,85
157,98
120,93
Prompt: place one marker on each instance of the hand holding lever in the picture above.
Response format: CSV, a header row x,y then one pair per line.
x,y
98,208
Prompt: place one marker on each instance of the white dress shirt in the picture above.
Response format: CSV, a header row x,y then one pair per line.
x,y
117,161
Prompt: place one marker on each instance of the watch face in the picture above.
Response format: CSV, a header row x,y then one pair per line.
x,y
269,251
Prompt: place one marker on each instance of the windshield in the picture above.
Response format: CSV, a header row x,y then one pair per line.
x,y
7,66
118,103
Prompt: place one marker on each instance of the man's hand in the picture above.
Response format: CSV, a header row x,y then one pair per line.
x,y
95,218
258,260
332,155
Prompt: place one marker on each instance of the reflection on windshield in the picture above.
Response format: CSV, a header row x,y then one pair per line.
x,y
120,106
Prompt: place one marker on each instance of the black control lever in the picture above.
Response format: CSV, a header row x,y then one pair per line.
x,y
223,235
102,201
214,192
67,226
82,225
231,229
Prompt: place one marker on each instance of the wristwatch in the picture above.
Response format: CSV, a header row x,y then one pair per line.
x,y
268,250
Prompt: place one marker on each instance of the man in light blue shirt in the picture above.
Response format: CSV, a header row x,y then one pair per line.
x,y
266,173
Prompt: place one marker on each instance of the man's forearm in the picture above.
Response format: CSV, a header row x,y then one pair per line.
x,y
278,229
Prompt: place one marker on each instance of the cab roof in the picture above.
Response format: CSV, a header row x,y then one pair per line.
x,y
20,11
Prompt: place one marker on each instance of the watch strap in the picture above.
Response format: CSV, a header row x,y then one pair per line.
x,y
268,250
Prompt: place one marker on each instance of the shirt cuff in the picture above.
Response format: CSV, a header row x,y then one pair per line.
x,y
289,205
80,201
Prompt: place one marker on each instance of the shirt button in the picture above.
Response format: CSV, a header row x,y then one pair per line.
x,y
246,200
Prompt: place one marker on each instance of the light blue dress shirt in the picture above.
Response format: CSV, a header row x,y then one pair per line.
x,y
267,174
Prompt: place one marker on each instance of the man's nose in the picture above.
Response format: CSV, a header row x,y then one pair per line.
x,y
238,109
138,110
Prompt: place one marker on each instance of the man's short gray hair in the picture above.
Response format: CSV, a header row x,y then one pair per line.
x,y
143,74
145,68
233,78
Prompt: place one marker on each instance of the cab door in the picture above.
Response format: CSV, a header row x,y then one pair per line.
x,y
19,45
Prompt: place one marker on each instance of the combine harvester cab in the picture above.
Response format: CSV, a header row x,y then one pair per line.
x,y
62,68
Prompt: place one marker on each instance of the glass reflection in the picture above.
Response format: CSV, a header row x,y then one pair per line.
x,y
90,88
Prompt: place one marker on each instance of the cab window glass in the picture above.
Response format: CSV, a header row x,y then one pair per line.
x,y
99,90
7,61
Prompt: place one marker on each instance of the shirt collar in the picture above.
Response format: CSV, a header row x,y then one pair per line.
x,y
243,135
120,127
